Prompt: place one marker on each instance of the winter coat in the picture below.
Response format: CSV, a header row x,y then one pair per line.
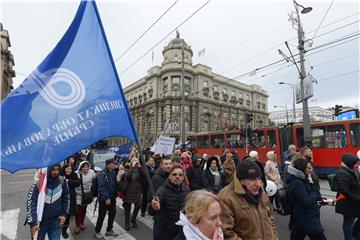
x,y
133,192
208,178
87,180
194,177
348,183
107,185
57,200
229,167
73,182
157,180
272,173
303,197
243,220
172,200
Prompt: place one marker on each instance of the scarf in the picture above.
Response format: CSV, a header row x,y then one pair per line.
x,y
251,198
190,230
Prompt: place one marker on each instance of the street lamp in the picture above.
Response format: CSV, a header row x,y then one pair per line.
x,y
287,115
302,73
294,100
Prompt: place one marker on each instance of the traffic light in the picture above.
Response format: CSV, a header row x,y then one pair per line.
x,y
248,117
338,109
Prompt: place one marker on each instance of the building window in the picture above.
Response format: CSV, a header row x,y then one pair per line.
x,y
206,84
215,88
224,91
175,109
232,92
175,80
205,110
186,109
187,81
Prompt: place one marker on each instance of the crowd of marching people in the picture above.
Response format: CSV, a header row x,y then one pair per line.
x,y
193,196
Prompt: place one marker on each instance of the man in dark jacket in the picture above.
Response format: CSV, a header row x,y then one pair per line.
x,y
158,180
169,200
107,199
56,207
194,173
348,182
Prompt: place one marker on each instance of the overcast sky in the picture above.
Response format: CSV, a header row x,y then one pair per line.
x,y
238,37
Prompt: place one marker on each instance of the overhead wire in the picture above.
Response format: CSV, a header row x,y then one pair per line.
x,y
322,20
278,45
143,55
283,60
157,20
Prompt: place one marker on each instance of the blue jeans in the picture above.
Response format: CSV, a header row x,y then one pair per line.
x,y
53,230
349,228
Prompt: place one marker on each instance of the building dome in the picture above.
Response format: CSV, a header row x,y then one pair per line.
x,y
173,51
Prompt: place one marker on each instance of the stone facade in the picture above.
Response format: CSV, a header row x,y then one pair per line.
x,y
212,102
7,63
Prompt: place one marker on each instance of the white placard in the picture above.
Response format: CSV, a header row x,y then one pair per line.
x,y
164,145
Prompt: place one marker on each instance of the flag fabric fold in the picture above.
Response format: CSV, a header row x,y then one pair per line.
x,y
71,100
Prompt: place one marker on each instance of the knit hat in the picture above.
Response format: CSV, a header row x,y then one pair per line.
x,y
349,160
301,163
253,154
248,170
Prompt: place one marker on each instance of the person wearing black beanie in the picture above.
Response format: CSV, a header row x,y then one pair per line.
x,y
348,182
244,200
304,195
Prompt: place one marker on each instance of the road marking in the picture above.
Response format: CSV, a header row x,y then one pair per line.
x,y
124,235
9,223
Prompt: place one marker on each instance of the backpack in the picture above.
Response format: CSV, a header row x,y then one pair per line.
x,y
332,179
284,202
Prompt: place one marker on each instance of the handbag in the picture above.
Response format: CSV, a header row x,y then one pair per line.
x,y
86,198
123,184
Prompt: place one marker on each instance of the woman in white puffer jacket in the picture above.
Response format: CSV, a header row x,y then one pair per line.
x,y
87,175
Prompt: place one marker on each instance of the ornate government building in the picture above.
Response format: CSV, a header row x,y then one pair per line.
x,y
212,102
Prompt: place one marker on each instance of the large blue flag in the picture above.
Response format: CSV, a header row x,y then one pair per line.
x,y
71,100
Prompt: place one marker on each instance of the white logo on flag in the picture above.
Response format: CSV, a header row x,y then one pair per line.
x,y
48,79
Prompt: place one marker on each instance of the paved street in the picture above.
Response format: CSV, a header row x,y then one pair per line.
x,y
14,189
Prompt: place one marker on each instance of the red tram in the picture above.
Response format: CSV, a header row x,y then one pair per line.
x,y
330,140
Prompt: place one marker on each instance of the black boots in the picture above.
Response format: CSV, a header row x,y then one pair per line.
x,y
134,224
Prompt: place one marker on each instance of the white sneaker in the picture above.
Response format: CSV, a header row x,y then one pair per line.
x,y
99,236
111,233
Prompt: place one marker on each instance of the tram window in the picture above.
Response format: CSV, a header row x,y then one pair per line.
x,y
258,139
192,140
234,140
271,139
300,137
355,134
203,141
329,137
217,141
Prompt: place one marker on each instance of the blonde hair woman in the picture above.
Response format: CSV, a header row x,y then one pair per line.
x,y
201,217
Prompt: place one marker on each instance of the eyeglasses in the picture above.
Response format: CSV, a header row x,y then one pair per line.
x,y
177,174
